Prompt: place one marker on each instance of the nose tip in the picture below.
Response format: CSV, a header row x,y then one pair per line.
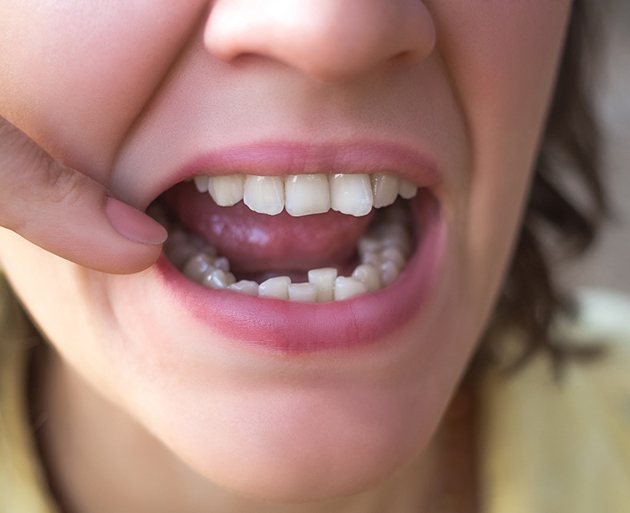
x,y
325,39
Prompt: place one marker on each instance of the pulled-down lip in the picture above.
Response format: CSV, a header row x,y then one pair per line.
x,y
276,158
292,328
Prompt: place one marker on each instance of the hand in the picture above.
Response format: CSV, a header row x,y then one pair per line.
x,y
69,213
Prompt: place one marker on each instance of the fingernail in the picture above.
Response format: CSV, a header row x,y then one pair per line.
x,y
133,224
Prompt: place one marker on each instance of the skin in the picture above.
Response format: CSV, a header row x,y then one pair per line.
x,y
166,415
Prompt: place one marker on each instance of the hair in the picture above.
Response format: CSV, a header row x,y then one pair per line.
x,y
556,219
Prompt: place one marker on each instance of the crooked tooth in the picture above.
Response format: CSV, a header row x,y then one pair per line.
x,y
227,190
389,272
264,194
303,292
383,256
324,282
351,194
307,194
202,246
369,276
222,263
198,266
394,255
385,190
277,287
201,182
407,189
247,287
346,288
218,279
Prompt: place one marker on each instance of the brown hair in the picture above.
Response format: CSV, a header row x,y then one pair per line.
x,y
566,207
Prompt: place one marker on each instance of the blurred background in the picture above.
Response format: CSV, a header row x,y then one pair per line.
x,y
608,264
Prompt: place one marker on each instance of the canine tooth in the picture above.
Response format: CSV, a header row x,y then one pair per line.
x,y
303,292
277,287
324,282
351,194
407,189
218,279
227,190
369,276
307,194
247,287
201,182
389,272
346,288
395,256
264,194
385,189
222,263
198,266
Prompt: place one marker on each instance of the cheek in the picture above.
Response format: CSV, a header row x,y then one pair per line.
x,y
22,263
503,57
56,294
75,75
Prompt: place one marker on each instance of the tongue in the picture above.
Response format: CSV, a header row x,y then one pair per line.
x,y
256,243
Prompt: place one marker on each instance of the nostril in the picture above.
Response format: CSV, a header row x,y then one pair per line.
x,y
329,40
403,57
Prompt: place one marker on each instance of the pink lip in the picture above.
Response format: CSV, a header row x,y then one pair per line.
x,y
299,328
282,158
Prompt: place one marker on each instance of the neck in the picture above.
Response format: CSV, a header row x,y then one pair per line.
x,y
99,459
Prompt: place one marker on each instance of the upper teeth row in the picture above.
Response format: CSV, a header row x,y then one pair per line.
x,y
301,195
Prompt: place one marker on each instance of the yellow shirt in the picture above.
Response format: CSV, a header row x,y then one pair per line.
x,y
543,448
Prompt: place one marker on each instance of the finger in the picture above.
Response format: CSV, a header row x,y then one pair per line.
x,y
69,213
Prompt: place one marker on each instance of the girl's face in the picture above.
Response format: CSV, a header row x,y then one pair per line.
x,y
283,400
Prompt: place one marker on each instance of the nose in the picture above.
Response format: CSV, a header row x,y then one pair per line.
x,y
326,39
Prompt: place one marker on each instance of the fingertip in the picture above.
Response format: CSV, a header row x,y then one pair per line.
x,y
131,261
133,224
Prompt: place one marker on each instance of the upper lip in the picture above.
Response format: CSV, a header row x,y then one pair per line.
x,y
271,158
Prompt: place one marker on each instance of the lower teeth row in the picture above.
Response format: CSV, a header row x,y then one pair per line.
x,y
383,254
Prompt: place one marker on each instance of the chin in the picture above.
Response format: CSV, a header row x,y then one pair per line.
x,y
302,442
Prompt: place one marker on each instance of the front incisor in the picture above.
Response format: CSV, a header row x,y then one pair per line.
x,y
351,194
307,194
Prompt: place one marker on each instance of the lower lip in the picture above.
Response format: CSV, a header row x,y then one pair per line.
x,y
292,328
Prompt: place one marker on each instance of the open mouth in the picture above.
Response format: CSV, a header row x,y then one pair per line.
x,y
307,238
303,262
